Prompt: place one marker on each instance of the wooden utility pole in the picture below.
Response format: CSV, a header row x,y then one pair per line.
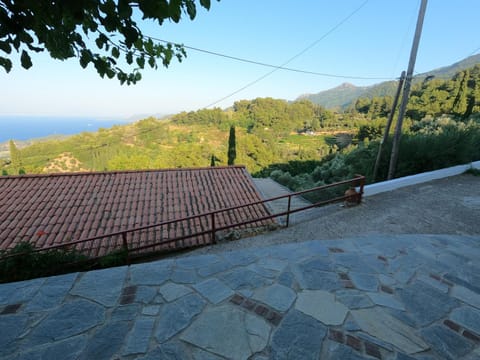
x,y
406,90
389,123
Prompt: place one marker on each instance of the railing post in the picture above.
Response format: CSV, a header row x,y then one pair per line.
x,y
288,209
125,246
214,240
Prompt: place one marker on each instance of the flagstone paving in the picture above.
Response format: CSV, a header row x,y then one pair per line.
x,y
392,297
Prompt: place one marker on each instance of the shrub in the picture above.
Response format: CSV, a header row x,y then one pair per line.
x,y
28,263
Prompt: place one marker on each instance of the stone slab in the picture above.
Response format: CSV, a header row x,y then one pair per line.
x,y
19,292
424,303
213,290
466,295
366,282
177,315
386,300
184,276
11,327
322,306
243,278
106,341
69,349
313,279
381,325
72,318
196,262
153,273
125,312
468,317
353,299
247,334
298,336
214,268
434,283
336,351
171,291
138,339
445,342
102,286
52,292
151,310
277,296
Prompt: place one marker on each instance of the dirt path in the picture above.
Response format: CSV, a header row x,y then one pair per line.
x,y
446,206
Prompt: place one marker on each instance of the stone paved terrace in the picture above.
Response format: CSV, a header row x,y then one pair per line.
x,y
393,297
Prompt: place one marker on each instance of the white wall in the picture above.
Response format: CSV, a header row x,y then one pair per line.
x,y
417,179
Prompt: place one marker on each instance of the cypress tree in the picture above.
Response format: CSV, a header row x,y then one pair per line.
x,y
212,161
15,157
460,102
232,152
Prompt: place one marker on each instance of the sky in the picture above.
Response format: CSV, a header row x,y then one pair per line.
x,y
350,38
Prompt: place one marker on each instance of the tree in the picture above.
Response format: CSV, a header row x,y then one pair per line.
x,y
232,152
15,157
460,102
64,29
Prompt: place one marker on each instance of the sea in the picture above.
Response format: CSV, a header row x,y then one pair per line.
x,y
30,127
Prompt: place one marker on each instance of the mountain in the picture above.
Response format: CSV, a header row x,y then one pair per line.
x,y
338,97
342,96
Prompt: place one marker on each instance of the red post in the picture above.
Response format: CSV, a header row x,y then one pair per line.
x,y
288,209
214,241
125,246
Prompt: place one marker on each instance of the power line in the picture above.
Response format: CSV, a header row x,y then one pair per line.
x,y
293,57
270,65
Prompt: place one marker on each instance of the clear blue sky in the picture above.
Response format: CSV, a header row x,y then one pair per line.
x,y
374,42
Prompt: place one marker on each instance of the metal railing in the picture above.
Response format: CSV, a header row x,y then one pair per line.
x,y
212,224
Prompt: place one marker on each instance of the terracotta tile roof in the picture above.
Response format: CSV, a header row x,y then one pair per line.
x,y
54,209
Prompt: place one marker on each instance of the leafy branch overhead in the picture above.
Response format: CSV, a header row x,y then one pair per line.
x,y
66,29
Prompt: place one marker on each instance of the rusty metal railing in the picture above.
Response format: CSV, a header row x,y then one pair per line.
x,y
358,181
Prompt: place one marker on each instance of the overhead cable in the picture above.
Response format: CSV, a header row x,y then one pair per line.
x,y
334,28
271,65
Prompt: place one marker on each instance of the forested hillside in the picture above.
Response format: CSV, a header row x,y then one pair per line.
x,y
298,143
345,95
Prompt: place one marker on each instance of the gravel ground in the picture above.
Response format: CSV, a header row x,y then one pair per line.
x,y
447,206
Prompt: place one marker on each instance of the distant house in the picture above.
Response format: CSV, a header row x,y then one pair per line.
x,y
47,210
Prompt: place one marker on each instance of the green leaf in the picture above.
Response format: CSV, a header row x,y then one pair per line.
x,y
175,10
25,60
101,40
85,58
115,52
129,58
110,73
6,64
205,4
5,46
152,62
191,9
131,35
141,62
124,9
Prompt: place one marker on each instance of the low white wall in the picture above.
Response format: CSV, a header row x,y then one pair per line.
x,y
417,179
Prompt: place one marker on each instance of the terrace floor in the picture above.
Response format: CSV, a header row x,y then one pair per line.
x,y
376,294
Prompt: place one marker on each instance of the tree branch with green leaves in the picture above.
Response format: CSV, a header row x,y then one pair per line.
x,y
65,29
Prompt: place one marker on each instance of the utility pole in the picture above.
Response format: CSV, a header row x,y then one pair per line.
x,y
406,90
389,123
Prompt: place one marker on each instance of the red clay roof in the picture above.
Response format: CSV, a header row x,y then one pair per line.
x,y
54,209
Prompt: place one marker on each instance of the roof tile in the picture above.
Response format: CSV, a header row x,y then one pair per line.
x,y
48,209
